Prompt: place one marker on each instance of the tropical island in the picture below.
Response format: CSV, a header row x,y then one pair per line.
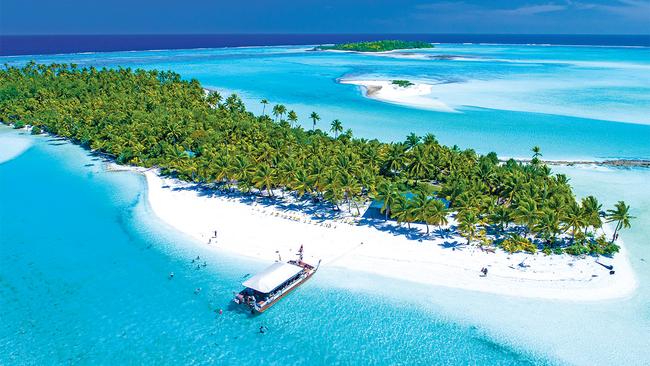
x,y
377,46
154,118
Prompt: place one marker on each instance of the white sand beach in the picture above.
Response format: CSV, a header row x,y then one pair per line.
x,y
13,146
414,95
249,226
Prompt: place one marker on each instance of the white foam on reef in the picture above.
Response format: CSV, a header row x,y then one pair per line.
x,y
12,146
575,63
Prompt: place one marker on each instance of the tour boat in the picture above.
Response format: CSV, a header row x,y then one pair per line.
x,y
266,288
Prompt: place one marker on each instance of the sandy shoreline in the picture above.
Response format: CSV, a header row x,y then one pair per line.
x,y
414,95
250,227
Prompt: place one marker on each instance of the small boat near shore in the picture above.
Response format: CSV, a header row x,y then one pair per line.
x,y
266,288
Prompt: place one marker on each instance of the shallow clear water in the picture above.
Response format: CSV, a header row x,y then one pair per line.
x,y
509,98
83,280
114,303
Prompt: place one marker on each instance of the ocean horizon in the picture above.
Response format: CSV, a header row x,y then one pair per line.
x,y
11,45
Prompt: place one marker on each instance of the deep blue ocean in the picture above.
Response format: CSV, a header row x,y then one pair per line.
x,y
49,44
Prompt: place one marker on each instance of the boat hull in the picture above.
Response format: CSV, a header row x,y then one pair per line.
x,y
298,284
309,271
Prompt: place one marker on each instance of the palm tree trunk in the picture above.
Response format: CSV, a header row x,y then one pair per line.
x,y
616,229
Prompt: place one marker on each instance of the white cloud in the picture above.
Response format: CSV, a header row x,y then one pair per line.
x,y
532,9
633,9
479,10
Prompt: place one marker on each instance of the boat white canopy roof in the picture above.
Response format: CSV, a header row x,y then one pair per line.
x,y
272,277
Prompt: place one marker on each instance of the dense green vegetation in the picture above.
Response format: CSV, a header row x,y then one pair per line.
x,y
377,46
152,118
402,83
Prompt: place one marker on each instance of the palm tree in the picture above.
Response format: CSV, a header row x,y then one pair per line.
x,y
240,169
467,221
264,103
314,117
591,209
438,213
620,214
292,117
333,191
214,98
404,210
429,139
421,166
412,140
501,216
278,111
336,127
264,178
286,171
220,168
301,183
395,160
535,161
421,208
350,188
430,210
548,225
574,220
388,194
174,132
527,214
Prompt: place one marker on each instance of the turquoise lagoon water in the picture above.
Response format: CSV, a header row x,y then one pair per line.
x,y
112,302
83,280
508,98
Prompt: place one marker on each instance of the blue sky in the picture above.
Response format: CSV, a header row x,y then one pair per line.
x,y
323,16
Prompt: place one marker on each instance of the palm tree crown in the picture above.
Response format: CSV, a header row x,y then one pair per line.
x,y
314,117
264,103
336,127
621,215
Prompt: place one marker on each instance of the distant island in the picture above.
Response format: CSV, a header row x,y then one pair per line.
x,y
377,46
